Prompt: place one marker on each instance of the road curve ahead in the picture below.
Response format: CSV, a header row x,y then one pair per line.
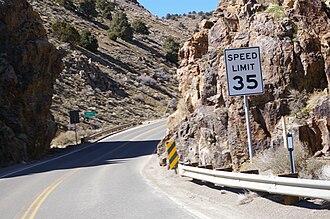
x,y
102,180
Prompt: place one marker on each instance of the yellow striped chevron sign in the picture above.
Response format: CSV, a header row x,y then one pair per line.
x,y
172,155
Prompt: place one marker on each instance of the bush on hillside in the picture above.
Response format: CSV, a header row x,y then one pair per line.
x,y
105,8
88,40
140,27
88,8
67,4
65,32
104,4
171,48
120,27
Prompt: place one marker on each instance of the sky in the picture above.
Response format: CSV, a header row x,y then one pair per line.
x,y
163,7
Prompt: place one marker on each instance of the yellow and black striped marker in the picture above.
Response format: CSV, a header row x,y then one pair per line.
x,y
172,155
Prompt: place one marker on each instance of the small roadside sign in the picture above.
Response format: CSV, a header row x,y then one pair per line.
x,y
89,114
74,116
172,155
74,119
244,74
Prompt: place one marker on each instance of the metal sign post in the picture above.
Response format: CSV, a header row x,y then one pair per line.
x,y
75,129
290,149
244,77
248,129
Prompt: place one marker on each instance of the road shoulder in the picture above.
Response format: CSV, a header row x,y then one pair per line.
x,y
210,201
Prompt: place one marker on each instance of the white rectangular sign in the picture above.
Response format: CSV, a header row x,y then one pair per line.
x,y
244,75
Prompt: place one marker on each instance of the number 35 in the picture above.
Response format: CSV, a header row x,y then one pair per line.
x,y
252,83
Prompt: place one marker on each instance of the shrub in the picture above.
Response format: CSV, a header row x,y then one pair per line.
x,y
120,27
64,139
104,4
67,4
140,27
276,11
87,7
168,16
147,80
276,161
105,8
65,32
171,48
106,14
88,40
181,25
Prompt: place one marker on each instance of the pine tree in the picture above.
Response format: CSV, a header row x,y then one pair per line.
x,y
88,40
87,7
120,27
171,48
140,27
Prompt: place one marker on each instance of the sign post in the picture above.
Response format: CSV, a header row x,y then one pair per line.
x,y
244,77
290,149
248,129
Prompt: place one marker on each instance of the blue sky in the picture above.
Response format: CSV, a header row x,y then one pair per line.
x,y
162,7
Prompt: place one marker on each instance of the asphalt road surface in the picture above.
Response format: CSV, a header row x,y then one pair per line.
x,y
102,180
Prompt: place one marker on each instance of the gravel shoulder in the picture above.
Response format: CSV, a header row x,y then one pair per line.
x,y
209,201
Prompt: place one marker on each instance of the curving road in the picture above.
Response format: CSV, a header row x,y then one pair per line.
x,y
102,180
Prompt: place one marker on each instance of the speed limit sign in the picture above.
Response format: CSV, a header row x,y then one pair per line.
x,y
244,76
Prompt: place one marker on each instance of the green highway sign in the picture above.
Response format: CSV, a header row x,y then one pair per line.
x,y
89,114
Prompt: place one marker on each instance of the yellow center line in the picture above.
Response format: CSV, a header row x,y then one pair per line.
x,y
32,210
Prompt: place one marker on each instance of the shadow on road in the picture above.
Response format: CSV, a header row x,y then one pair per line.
x,y
102,153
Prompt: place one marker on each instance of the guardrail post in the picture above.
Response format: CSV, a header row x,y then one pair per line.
x,y
289,199
250,171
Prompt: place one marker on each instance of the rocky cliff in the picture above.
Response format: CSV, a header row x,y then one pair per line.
x,y
29,65
293,35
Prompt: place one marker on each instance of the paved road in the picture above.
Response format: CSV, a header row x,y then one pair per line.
x,y
102,180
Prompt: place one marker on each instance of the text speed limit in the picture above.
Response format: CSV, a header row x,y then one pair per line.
x,y
244,75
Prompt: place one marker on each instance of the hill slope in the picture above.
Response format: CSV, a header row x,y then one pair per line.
x,y
123,81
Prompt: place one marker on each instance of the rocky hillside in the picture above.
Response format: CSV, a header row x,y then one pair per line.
x,y
122,81
29,65
293,35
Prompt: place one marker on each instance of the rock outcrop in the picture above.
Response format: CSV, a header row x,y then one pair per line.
x,y
29,65
293,36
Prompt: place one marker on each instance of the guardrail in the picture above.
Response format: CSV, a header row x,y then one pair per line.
x,y
271,184
108,131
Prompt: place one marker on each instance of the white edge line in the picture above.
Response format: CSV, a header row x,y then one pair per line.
x,y
175,200
75,151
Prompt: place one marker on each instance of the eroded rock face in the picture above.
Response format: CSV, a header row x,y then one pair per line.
x,y
294,42
29,65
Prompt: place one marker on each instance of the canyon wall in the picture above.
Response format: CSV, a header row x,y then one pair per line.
x,y
29,65
209,127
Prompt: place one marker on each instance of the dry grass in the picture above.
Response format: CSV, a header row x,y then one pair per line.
x,y
277,162
247,197
314,99
64,139
69,138
301,104
324,172
276,11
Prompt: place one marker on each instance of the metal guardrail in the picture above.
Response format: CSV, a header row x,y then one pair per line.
x,y
108,131
271,184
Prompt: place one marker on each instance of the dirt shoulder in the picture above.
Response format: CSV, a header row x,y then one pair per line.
x,y
209,201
